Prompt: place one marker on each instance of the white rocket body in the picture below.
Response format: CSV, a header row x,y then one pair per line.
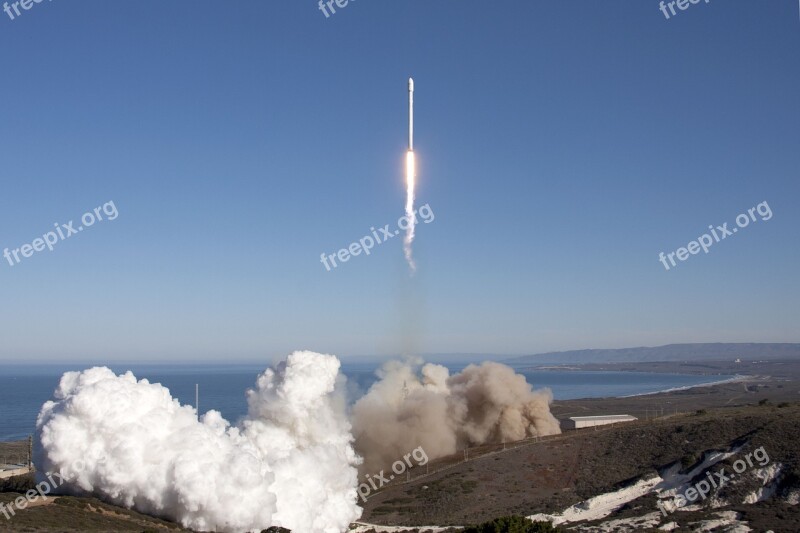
x,y
410,114
411,179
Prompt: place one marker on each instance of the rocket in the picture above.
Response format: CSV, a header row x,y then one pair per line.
x,y
410,114
411,179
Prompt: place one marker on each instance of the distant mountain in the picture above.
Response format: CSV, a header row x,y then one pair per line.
x,y
670,352
447,359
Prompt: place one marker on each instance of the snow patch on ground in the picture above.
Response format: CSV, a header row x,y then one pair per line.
x,y
602,505
675,482
690,508
793,498
625,525
361,527
667,487
727,519
769,479
716,503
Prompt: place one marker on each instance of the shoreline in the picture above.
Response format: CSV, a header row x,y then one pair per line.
x,y
776,382
659,367
735,379
594,369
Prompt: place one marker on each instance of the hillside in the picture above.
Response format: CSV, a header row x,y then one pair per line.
x,y
549,477
66,514
670,352
553,476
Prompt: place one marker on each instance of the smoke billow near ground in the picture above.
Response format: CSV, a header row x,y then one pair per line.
x,y
414,405
293,461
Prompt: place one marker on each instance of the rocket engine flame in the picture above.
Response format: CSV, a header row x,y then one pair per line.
x,y
411,178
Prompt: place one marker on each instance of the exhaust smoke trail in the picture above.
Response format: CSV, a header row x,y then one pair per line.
x,y
410,184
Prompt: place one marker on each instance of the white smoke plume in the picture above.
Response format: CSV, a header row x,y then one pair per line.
x,y
411,179
289,463
412,406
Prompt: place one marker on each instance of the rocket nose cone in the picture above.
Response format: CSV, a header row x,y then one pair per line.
x,y
410,84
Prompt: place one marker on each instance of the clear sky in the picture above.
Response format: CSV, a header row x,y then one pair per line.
x,y
562,146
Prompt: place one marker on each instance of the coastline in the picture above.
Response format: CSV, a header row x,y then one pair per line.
x,y
774,382
734,379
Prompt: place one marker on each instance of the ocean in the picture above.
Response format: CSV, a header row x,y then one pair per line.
x,y
23,389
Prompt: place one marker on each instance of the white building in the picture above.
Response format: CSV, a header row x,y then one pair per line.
x,y
578,422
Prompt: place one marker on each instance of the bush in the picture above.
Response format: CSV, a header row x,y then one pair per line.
x,y
763,402
20,484
688,460
512,524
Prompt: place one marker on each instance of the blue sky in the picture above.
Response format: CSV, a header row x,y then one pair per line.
x,y
562,146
